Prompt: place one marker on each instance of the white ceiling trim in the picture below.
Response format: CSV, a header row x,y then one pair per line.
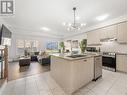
x,y
36,34
26,31
33,30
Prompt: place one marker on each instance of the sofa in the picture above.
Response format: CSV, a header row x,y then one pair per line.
x,y
44,60
34,56
24,62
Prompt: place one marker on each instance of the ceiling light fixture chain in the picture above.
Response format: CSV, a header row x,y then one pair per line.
x,y
75,26
76,3
74,9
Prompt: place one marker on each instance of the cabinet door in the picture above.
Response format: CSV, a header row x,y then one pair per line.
x,y
83,72
89,69
97,37
90,38
79,73
109,32
122,33
93,37
121,63
103,33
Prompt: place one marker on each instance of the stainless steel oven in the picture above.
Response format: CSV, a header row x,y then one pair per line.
x,y
109,61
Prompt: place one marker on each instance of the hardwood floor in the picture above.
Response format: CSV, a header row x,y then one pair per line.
x,y
16,72
2,81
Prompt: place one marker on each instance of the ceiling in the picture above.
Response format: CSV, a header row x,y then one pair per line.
x,y
31,15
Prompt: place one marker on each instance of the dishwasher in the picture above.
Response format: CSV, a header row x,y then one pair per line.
x,y
97,67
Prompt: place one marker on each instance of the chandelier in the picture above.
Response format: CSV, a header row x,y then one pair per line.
x,y
75,26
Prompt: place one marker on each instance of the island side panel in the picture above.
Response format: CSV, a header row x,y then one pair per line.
x,y
82,72
61,72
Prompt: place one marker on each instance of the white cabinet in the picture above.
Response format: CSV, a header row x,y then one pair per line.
x,y
121,63
72,74
90,36
108,32
83,72
93,37
122,32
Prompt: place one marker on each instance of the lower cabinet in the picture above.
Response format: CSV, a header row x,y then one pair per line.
x,y
121,63
83,71
72,74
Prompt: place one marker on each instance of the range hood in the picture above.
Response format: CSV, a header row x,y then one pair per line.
x,y
108,39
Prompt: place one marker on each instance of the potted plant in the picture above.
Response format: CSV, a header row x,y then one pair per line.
x,y
83,45
62,47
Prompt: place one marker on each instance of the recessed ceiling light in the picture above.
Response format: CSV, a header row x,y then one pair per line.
x,y
102,17
64,23
45,29
77,17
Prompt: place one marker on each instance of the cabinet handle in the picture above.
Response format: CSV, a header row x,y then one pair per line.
x,y
85,60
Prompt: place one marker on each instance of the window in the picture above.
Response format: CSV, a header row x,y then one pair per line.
x,y
29,45
35,44
20,43
20,47
52,45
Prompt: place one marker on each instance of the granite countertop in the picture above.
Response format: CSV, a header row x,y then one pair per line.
x,y
65,56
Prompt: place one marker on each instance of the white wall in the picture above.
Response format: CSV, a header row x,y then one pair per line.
x,y
42,40
2,22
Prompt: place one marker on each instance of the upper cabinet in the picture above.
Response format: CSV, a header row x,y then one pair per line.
x,y
93,37
118,31
108,32
122,32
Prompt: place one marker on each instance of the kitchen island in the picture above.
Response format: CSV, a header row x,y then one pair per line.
x,y
72,72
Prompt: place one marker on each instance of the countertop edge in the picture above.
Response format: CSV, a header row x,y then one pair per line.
x,y
71,59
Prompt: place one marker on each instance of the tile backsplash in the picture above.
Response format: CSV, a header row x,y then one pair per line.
x,y
113,47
